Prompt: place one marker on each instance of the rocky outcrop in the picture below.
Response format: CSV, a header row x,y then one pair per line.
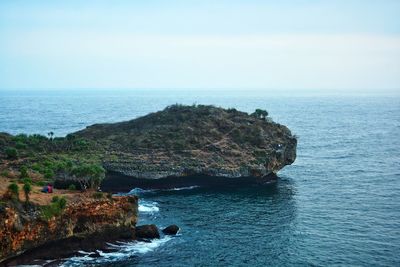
x,y
147,231
85,220
188,141
171,230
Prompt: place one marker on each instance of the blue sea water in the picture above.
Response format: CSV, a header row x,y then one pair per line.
x,y
337,205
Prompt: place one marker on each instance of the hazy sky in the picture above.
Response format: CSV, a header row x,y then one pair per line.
x,y
303,44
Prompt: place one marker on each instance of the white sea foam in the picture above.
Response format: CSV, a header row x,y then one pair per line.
x,y
140,191
123,251
183,188
148,206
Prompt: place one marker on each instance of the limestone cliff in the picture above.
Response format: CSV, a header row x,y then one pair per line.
x,y
183,141
23,229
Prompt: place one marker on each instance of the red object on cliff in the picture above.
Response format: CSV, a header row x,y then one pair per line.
x,y
47,189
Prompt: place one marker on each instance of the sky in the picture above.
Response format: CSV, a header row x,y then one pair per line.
x,y
228,44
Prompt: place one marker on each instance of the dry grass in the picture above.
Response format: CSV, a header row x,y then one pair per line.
x,y
39,198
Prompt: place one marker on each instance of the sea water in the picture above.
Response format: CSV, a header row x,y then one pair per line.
x,y
337,205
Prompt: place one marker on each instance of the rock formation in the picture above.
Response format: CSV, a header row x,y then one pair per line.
x,y
187,141
147,231
171,230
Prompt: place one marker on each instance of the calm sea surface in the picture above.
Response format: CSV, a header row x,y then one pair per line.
x,y
338,205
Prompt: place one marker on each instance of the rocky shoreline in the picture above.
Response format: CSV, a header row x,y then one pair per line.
x,y
86,223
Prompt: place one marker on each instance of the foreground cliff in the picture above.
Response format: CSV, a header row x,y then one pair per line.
x,y
84,223
189,141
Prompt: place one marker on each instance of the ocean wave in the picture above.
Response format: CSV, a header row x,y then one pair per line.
x,y
139,191
181,188
123,250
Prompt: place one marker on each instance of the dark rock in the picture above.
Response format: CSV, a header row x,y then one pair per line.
x,y
147,231
171,230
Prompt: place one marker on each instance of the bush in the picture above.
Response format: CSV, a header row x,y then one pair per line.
x,y
37,167
23,172
55,199
260,113
41,183
54,209
48,174
72,187
11,153
14,190
62,203
27,181
20,145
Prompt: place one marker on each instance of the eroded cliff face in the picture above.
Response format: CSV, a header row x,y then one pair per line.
x,y
187,141
22,230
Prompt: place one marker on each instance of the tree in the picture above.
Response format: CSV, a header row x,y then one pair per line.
x,y
50,134
260,114
89,175
27,190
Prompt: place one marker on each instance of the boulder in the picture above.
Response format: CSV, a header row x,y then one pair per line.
x,y
171,230
147,231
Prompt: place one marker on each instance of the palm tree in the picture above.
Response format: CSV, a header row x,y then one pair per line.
x,y
50,134
27,190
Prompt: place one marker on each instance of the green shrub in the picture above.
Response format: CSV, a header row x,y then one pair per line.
x,y
37,167
27,181
260,114
20,145
54,209
62,203
55,199
11,153
98,195
41,183
23,172
14,190
72,187
48,174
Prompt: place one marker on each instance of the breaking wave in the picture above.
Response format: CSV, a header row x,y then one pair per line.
x,y
122,251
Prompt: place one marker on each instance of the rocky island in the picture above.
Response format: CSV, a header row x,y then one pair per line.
x,y
187,145
178,146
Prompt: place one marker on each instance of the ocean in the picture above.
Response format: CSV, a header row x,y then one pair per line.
x,y
337,205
